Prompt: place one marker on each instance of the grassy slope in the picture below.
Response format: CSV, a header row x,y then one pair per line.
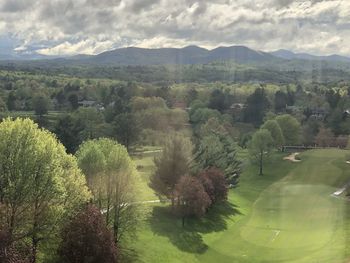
x,y
287,215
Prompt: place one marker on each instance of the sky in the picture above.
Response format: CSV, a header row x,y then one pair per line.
x,y
68,27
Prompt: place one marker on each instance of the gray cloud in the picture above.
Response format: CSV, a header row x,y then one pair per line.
x,y
92,26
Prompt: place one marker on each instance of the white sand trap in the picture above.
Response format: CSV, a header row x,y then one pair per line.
x,y
339,192
292,158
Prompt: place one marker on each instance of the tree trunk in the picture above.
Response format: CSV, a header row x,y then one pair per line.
x,y
183,221
35,242
261,163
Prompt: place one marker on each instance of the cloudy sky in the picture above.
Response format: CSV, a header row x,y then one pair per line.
x,y
65,27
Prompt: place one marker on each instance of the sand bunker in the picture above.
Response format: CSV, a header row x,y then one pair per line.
x,y
292,158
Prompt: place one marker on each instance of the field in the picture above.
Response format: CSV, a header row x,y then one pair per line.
x,y
287,215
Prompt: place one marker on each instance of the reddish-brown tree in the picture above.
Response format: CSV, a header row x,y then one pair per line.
x,y
86,239
192,199
214,182
9,253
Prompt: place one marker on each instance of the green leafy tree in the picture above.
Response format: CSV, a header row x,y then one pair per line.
x,y
140,103
257,105
68,130
39,183
219,151
41,105
173,163
220,100
290,127
3,106
275,130
111,176
11,101
260,145
126,129
280,101
91,123
73,100
202,115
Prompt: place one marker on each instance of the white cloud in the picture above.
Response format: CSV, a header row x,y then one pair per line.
x,y
87,47
91,26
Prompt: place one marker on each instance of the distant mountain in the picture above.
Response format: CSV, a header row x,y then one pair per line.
x,y
190,55
142,56
24,56
182,56
239,54
286,54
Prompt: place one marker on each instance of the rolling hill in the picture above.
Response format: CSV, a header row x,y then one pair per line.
x,y
181,56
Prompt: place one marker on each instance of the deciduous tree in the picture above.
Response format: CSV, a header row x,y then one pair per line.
x,y
171,165
192,199
214,183
276,132
41,104
257,106
290,127
39,182
126,129
86,238
111,177
260,145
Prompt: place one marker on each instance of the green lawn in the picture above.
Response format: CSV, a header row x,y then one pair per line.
x,y
143,159
287,215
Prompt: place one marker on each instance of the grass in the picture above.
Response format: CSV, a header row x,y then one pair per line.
x,y
143,160
51,116
287,215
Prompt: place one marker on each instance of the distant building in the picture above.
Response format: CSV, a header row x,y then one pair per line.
x,y
91,103
293,109
237,106
87,103
318,113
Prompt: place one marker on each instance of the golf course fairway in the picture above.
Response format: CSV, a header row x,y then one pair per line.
x,y
286,215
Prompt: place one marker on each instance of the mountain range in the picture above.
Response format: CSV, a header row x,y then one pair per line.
x,y
132,56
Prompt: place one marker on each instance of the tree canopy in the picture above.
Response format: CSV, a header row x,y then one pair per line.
x,y
276,132
290,127
111,174
173,163
39,182
260,145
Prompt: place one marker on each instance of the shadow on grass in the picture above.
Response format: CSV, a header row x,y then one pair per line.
x,y
189,238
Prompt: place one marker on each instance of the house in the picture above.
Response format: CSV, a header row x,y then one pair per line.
x,y
293,109
91,103
318,113
87,103
237,106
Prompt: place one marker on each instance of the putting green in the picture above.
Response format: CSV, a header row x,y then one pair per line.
x,y
287,215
